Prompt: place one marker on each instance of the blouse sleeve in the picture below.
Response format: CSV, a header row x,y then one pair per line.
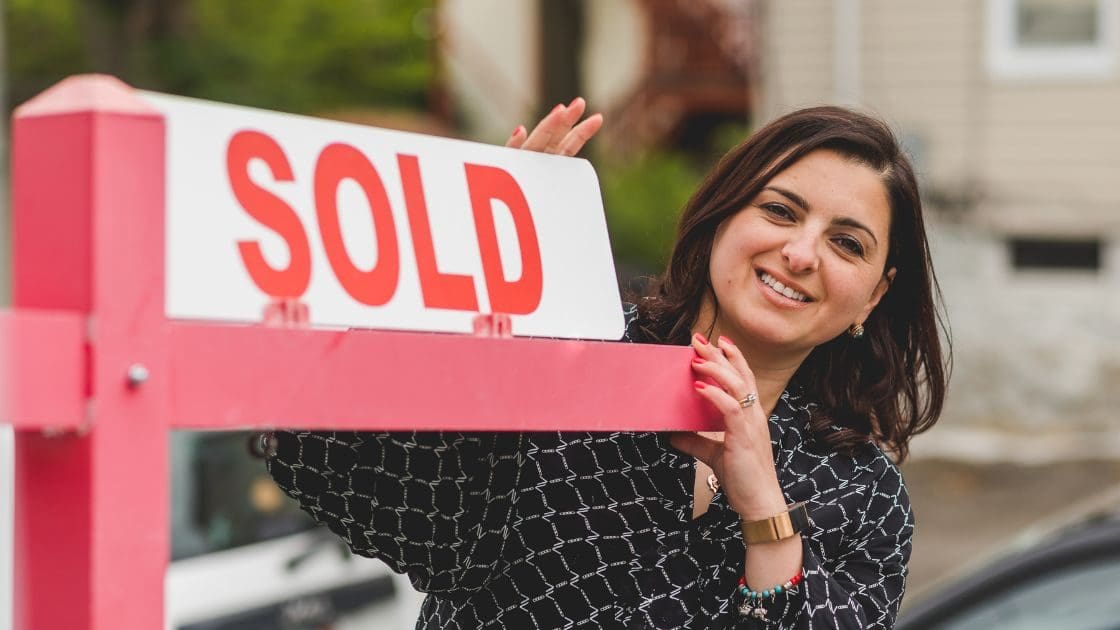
x,y
433,505
863,586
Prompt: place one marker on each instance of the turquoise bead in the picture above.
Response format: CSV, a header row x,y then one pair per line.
x,y
777,589
745,591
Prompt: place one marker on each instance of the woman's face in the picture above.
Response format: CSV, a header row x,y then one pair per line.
x,y
805,259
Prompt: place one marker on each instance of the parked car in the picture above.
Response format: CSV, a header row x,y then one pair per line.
x,y
245,557
1063,573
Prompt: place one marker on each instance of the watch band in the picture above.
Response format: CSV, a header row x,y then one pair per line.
x,y
789,523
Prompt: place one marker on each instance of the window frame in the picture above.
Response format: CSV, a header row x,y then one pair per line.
x,y
1007,60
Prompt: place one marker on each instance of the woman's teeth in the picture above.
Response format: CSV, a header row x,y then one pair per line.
x,y
773,283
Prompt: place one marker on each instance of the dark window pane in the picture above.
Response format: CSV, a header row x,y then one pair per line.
x,y
1029,253
1056,22
222,498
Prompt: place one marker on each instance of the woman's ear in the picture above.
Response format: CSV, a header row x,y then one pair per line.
x,y
878,293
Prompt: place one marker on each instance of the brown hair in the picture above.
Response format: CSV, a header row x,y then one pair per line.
x,y
887,386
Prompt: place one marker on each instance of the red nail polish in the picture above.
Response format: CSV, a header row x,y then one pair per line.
x,y
726,341
701,338
516,130
699,384
697,361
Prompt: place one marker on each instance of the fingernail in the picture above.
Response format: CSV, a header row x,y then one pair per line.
x,y
558,108
700,338
516,130
697,361
573,103
699,384
725,341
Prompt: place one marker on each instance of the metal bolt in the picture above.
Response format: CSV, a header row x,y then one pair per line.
x,y
137,375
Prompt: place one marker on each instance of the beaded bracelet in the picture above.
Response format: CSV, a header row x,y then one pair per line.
x,y
753,600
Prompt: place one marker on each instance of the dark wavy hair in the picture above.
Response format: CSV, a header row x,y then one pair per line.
x,y
889,385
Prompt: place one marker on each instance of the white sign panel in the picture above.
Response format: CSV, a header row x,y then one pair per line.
x,y
374,228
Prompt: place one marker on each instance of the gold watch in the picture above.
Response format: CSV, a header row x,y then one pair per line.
x,y
789,523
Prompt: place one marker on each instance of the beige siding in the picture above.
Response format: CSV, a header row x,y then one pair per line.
x,y
918,71
797,56
1052,158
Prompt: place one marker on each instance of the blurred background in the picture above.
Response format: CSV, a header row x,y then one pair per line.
x,y
1010,110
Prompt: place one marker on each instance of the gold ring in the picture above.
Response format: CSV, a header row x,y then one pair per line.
x,y
747,400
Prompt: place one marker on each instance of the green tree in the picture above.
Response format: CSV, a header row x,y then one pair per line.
x,y
291,55
643,198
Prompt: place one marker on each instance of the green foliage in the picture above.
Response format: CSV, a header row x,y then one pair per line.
x,y
44,44
291,55
302,56
643,199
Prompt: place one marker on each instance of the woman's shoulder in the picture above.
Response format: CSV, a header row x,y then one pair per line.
x,y
810,458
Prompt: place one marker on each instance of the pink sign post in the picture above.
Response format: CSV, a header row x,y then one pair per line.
x,y
93,373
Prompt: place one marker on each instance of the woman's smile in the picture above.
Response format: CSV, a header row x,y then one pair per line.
x,y
782,294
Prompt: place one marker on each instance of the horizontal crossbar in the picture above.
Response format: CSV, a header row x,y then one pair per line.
x,y
43,371
227,377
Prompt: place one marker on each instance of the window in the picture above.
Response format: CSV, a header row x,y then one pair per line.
x,y
1053,254
222,498
1057,39
1084,595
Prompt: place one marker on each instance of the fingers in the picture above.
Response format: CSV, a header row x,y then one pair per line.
x,y
580,134
517,138
558,132
725,366
727,405
735,357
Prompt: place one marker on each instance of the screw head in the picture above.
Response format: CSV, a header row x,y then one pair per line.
x,y
137,374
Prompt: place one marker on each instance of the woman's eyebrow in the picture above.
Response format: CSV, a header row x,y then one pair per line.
x,y
852,223
842,221
792,196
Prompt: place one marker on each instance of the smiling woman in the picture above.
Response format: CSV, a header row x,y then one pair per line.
x,y
803,258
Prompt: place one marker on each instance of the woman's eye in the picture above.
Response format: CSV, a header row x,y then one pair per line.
x,y
779,211
850,245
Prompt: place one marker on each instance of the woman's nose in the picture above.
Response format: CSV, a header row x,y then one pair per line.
x,y
800,253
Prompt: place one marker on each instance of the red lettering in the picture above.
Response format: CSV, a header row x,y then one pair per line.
x,y
440,290
271,211
336,163
521,296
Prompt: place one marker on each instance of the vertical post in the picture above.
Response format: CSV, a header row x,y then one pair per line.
x,y
91,529
847,16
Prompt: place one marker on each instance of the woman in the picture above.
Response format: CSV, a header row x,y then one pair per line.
x,y
802,279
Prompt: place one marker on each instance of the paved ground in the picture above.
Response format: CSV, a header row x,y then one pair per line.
x,y
965,510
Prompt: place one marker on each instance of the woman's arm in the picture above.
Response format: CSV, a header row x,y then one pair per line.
x,y
864,585
433,505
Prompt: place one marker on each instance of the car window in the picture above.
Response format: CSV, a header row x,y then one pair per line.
x,y
1084,596
222,498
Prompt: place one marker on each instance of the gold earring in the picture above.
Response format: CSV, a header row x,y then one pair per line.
x,y
856,330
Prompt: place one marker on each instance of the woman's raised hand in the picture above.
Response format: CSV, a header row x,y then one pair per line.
x,y
744,460
560,132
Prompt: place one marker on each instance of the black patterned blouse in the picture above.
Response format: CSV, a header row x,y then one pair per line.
x,y
594,530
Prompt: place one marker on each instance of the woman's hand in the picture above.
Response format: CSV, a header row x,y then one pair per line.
x,y
560,132
743,461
